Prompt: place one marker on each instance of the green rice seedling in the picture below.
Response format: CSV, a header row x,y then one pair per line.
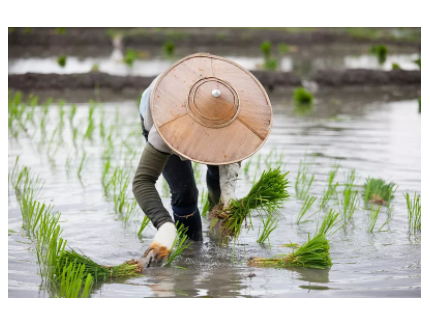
x,y
90,130
27,30
378,191
206,206
315,253
61,113
95,68
44,116
166,189
179,245
97,271
196,170
380,51
26,183
269,156
75,132
266,48
81,164
269,223
280,159
62,60
102,126
271,64
105,174
130,57
120,184
145,223
265,197
51,140
11,177
331,188
72,114
303,96
307,204
169,48
395,66
32,103
68,166
349,201
373,218
246,167
130,210
203,196
418,62
303,182
283,48
414,212
71,280
329,222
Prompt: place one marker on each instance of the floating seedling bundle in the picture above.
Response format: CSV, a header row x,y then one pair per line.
x,y
265,197
312,254
378,191
97,271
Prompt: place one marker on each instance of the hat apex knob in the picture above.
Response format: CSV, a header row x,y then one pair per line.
x,y
216,92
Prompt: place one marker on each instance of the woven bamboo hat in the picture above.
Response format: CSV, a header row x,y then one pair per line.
x,y
210,110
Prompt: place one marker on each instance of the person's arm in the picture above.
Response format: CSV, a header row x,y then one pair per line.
x,y
227,181
150,167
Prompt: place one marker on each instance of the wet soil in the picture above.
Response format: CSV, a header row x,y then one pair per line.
x,y
270,80
135,37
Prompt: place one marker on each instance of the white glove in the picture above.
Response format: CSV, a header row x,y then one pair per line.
x,y
227,182
161,245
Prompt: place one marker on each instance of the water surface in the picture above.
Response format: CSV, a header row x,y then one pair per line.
x,y
378,136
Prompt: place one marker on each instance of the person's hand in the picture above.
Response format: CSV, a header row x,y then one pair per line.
x,y
227,180
161,245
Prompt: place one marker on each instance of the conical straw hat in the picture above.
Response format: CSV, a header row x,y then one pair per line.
x,y
210,110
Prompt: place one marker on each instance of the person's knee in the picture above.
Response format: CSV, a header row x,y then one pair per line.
x,y
186,197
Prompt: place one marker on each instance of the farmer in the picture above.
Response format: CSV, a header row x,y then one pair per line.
x,y
205,109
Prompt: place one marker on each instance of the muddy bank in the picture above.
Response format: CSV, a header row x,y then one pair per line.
x,y
92,80
354,77
270,80
135,37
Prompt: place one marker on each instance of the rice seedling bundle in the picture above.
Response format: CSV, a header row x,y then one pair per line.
x,y
71,279
315,253
380,51
179,245
264,197
378,191
303,96
97,271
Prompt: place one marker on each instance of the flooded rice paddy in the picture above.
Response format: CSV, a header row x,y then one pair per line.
x,y
150,63
377,135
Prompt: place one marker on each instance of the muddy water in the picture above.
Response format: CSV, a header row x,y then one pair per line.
x,y
150,63
376,136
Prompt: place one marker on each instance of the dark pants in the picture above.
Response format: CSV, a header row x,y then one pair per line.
x,y
179,175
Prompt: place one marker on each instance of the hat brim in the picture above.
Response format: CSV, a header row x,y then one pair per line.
x,y
189,138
